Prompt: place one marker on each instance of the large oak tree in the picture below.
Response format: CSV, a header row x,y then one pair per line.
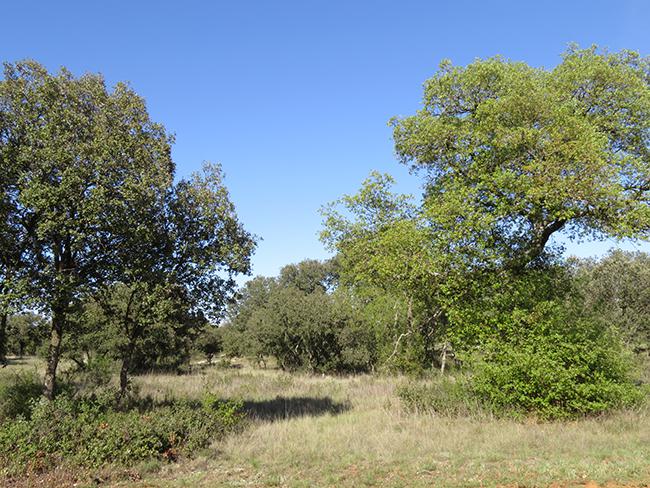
x,y
89,202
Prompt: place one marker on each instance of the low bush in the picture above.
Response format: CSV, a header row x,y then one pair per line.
x,y
558,376
553,369
91,432
17,392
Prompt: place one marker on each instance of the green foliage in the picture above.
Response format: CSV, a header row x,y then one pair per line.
x,y
26,333
210,342
90,432
561,367
17,392
90,207
616,290
84,165
512,154
301,321
91,376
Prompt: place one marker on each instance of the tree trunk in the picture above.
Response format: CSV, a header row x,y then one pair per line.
x,y
443,359
124,373
133,333
3,339
54,352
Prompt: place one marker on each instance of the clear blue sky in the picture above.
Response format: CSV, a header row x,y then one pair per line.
x,y
292,97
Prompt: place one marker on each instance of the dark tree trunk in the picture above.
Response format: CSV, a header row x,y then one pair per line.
x,y
65,267
124,373
133,333
54,352
3,339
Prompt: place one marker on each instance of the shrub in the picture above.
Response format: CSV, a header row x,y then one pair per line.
x,y
17,393
558,370
90,432
552,368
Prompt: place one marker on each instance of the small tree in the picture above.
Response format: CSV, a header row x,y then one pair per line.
x,y
210,343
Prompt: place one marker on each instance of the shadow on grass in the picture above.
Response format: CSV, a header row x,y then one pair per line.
x,y
281,408
199,367
13,361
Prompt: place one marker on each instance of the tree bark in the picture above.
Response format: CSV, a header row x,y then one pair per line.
x,y
54,352
443,359
124,373
133,333
3,339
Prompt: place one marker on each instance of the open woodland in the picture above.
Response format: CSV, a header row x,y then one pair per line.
x,y
448,341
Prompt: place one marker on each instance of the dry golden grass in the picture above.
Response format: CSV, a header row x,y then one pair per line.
x,y
316,431
322,431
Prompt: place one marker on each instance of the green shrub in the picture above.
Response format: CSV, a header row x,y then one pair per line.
x,y
90,432
16,394
558,370
552,369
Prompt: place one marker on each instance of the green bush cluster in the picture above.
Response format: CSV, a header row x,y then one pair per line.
x,y
558,375
91,432
553,370
17,392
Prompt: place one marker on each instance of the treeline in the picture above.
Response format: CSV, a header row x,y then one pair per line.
x,y
309,318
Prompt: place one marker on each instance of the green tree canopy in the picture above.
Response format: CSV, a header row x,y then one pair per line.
x,y
89,189
512,154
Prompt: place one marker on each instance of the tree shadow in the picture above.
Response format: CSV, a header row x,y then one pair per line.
x,y
282,408
13,361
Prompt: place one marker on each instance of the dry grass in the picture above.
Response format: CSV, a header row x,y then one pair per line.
x,y
322,431
308,431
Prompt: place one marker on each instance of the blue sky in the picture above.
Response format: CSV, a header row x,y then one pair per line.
x,y
293,97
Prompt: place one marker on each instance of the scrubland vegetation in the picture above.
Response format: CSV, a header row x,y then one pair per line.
x,y
313,430
449,341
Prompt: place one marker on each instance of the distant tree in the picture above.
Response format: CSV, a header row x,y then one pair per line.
x,y
300,319
616,290
27,332
239,332
309,275
210,342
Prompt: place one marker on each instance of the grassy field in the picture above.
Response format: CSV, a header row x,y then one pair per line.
x,y
306,431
